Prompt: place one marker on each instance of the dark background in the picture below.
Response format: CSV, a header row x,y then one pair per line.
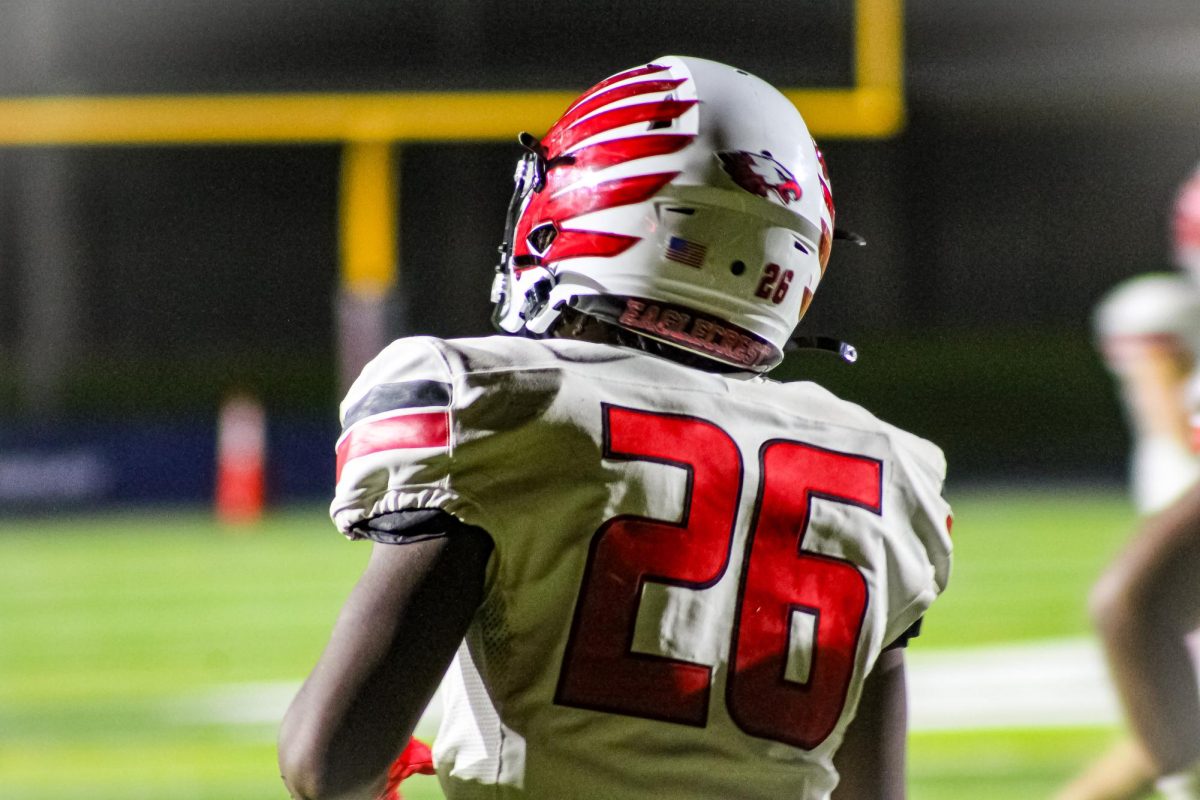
x,y
1043,145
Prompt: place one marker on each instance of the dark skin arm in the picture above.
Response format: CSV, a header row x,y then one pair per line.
x,y
392,642
871,758
1143,607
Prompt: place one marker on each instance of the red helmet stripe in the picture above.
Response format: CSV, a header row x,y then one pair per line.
x,y
558,142
609,194
617,151
578,244
805,302
824,247
611,96
824,179
584,200
557,202
649,69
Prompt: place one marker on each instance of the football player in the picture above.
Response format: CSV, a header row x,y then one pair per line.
x,y
649,570
1148,329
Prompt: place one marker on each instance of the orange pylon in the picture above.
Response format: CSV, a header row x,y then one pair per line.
x,y
241,460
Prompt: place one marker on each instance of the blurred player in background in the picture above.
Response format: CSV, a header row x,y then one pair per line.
x,y
1147,604
1149,333
651,571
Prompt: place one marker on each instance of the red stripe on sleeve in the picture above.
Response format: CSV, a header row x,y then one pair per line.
x,y
429,429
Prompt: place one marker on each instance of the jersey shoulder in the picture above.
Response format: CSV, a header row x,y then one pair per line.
x,y
823,405
394,377
441,423
430,358
424,370
915,476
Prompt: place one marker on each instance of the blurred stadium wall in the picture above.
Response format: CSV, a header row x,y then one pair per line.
x,y
141,283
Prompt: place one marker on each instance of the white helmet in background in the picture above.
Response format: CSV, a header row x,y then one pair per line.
x,y
1186,227
683,200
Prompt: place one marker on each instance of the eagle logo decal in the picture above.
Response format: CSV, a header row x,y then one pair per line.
x,y
761,174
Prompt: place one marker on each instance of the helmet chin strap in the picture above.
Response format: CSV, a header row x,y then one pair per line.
x,y
843,350
845,235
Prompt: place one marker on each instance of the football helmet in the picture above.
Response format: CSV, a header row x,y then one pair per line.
x,y
1159,308
683,200
1186,227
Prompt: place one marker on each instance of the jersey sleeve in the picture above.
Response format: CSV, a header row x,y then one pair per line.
x,y
397,438
921,557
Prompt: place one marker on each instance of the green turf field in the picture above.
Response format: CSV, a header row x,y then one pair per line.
x,y
138,651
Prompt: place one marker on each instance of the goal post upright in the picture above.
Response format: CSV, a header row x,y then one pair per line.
x,y
372,126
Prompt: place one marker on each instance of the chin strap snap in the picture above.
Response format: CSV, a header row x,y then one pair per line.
x,y
843,350
844,235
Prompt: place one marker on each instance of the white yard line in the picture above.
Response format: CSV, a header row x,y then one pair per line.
x,y
1058,683
258,704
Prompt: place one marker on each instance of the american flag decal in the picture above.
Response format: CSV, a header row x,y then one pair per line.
x,y
685,252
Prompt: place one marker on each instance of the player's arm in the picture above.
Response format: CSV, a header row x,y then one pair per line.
x,y
1123,772
1144,606
391,644
871,758
1152,372
1153,376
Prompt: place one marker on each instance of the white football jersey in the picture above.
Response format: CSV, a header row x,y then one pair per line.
x,y
1162,308
692,573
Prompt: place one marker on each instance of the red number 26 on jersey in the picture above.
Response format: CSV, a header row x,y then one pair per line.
x,y
782,585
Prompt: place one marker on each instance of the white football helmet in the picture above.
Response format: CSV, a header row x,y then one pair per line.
x,y
1163,308
683,200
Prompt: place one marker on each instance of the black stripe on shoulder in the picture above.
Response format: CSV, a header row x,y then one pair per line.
x,y
397,396
902,640
410,525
